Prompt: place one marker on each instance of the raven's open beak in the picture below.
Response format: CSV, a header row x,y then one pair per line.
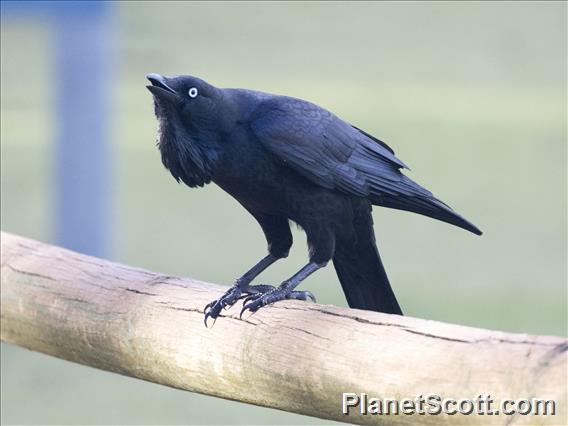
x,y
160,89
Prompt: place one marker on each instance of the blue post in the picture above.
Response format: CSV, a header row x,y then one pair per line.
x,y
84,161
83,78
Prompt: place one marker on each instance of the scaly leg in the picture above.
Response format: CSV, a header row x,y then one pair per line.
x,y
279,238
285,291
240,289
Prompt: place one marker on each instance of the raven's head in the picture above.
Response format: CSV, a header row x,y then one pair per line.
x,y
186,103
190,116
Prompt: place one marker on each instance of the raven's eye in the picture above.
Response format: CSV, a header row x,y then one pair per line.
x,y
193,92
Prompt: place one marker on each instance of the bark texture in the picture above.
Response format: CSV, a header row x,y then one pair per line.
x,y
293,356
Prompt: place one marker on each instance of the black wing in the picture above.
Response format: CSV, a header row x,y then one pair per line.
x,y
330,152
335,155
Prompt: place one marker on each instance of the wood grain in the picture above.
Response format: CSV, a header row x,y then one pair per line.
x,y
293,356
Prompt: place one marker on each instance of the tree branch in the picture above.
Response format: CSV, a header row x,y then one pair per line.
x,y
293,356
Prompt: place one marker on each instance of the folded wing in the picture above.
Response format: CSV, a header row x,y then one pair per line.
x,y
335,155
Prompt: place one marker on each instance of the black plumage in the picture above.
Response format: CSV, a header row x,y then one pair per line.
x,y
287,159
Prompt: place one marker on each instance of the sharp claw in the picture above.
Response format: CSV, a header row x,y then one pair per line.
x,y
311,296
207,315
252,301
245,308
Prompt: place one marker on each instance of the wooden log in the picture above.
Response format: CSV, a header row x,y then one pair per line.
x,y
294,356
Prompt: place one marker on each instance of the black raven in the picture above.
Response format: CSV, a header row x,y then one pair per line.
x,y
285,159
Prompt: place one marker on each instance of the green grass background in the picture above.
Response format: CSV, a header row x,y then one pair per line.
x,y
472,96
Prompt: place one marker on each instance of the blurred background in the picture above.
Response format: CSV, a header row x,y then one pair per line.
x,y
472,96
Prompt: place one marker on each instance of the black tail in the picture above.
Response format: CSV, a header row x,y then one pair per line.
x,y
361,271
421,201
431,207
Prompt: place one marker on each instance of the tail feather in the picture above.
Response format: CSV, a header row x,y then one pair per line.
x,y
419,200
431,207
362,275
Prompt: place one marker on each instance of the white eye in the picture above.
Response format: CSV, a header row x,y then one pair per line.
x,y
193,92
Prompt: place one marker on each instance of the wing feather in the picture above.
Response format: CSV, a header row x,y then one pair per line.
x,y
328,151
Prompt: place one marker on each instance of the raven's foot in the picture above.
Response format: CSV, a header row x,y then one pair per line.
x,y
256,301
214,308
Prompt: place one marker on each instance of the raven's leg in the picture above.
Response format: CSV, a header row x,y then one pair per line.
x,y
284,291
279,238
240,288
321,242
